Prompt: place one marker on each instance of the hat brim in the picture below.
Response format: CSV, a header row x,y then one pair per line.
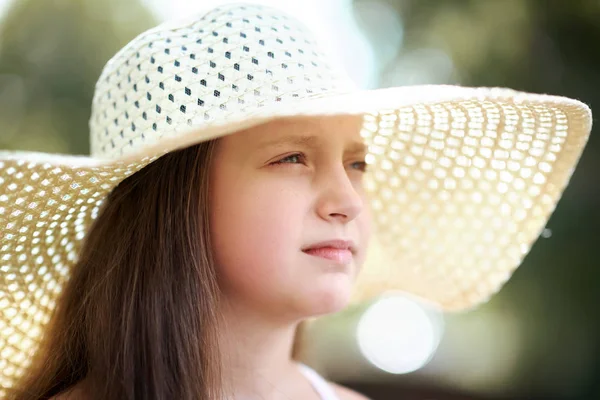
x,y
453,208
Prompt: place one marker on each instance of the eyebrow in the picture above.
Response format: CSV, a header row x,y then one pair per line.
x,y
310,142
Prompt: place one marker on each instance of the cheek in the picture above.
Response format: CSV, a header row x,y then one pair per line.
x,y
254,232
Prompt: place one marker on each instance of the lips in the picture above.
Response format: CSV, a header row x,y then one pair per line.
x,y
339,251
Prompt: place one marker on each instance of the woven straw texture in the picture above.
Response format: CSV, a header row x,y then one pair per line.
x,y
461,181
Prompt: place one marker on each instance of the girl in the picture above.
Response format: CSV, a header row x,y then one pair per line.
x,y
228,199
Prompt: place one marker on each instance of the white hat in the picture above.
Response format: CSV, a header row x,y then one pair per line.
x,y
461,180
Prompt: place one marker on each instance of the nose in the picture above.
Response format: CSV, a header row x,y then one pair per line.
x,y
339,199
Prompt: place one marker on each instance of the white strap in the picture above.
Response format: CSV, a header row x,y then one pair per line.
x,y
321,386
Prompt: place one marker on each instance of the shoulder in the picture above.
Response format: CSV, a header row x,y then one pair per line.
x,y
74,393
347,394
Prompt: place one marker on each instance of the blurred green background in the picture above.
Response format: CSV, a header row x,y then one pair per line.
x,y
538,337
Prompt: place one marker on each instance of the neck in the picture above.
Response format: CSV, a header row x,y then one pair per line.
x,y
256,352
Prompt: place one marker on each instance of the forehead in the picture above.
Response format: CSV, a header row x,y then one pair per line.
x,y
303,131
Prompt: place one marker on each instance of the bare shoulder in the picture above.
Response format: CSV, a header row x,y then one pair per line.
x,y
74,393
347,394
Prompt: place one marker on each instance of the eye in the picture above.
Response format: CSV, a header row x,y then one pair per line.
x,y
359,165
296,158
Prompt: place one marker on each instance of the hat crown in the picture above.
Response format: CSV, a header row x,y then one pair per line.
x,y
202,70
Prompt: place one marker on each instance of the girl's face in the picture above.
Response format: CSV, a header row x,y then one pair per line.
x,y
289,218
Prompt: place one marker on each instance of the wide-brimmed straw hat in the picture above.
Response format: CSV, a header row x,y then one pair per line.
x,y
461,180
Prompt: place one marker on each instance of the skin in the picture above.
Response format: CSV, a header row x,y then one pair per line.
x,y
275,190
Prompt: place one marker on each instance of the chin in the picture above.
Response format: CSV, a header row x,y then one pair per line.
x,y
328,298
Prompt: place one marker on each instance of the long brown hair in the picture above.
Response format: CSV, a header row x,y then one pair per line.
x,y
138,317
